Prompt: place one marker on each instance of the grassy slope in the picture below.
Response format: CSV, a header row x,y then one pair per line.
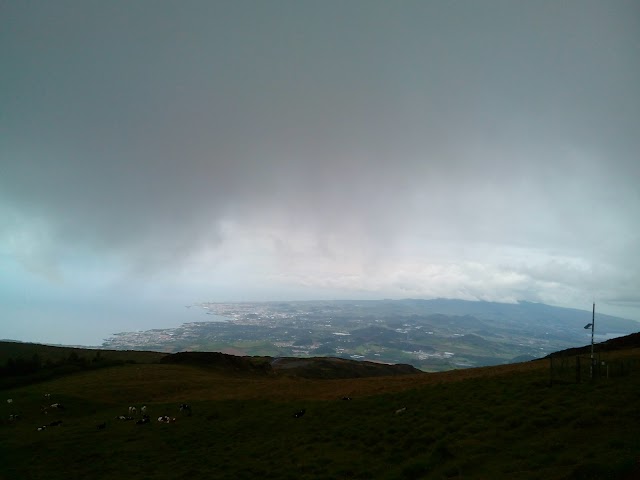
x,y
54,353
494,422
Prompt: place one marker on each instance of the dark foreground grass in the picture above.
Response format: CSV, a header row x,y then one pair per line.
x,y
510,425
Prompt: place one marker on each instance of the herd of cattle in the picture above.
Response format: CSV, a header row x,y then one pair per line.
x,y
140,419
132,414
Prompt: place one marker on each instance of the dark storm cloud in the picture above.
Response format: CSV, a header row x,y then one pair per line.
x,y
138,130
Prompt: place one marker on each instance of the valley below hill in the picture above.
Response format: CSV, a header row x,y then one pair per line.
x,y
431,335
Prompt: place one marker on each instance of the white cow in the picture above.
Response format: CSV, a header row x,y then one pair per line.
x,y
9,400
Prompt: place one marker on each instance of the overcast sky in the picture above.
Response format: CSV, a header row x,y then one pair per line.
x,y
155,154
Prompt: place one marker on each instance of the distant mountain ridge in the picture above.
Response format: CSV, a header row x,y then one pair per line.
x,y
526,311
312,367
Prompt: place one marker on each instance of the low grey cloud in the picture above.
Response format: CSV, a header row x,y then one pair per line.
x,y
359,148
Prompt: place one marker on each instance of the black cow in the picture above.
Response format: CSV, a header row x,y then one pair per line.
x,y
186,409
299,413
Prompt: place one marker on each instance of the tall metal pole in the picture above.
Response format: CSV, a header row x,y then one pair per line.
x,y
593,326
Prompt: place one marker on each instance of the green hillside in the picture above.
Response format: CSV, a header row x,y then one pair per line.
x,y
52,354
25,363
484,423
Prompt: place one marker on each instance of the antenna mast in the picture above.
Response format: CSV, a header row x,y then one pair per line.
x,y
593,326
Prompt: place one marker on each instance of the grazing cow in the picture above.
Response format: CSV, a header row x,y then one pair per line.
x,y
57,406
44,427
401,410
185,409
143,420
47,396
57,423
299,413
132,411
143,410
9,400
166,419
13,417
102,426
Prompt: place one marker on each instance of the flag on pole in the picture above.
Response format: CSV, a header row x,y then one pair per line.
x,y
588,325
